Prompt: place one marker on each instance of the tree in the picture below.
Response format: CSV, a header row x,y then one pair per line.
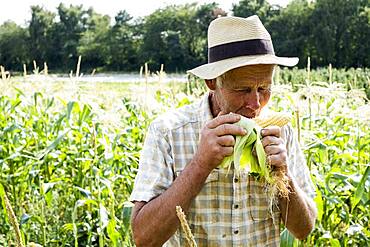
x,y
360,33
123,43
154,48
13,46
176,35
203,16
291,31
341,29
40,29
67,33
329,31
262,8
93,44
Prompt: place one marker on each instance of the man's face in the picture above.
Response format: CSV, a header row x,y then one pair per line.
x,y
245,90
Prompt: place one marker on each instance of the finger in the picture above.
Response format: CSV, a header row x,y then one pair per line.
x,y
221,113
271,131
227,151
226,141
274,149
229,129
222,119
271,140
277,160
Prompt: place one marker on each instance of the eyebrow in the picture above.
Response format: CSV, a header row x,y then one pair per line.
x,y
240,87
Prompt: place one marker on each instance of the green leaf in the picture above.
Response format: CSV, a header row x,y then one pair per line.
x,y
249,151
52,145
2,193
126,213
46,187
50,102
112,232
11,128
360,188
323,155
86,111
35,97
70,106
84,202
287,239
25,218
319,203
48,198
103,216
67,227
84,192
334,242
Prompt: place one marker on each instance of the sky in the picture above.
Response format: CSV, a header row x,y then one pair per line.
x,y
19,10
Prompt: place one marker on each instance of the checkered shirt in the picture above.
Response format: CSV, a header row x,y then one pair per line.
x,y
231,209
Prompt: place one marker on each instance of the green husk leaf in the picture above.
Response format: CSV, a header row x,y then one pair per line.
x,y
249,152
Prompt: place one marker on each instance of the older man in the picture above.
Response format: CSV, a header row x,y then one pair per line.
x,y
179,164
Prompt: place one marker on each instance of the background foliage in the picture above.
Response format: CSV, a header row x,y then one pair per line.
x,y
329,31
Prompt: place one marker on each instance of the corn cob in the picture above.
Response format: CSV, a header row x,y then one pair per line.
x,y
185,227
278,119
249,153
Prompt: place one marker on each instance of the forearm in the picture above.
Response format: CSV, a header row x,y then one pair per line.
x,y
298,212
156,221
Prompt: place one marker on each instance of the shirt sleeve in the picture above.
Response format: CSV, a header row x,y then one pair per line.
x,y
155,174
297,163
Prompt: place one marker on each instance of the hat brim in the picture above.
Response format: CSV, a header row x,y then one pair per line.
x,y
215,69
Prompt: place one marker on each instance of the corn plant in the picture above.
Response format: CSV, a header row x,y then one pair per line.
x,y
69,154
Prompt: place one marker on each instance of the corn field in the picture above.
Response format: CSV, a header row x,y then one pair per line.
x,y
69,154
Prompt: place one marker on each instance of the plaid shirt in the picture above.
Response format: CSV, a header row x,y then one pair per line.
x,y
231,209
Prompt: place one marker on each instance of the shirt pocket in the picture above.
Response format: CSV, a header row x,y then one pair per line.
x,y
204,209
260,204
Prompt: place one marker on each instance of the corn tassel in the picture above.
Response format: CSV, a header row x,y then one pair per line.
x,y
12,218
185,227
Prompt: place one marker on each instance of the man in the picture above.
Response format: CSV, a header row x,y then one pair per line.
x,y
180,160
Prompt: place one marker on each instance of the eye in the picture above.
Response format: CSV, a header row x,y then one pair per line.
x,y
263,89
243,90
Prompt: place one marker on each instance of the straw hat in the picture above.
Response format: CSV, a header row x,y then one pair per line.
x,y
235,42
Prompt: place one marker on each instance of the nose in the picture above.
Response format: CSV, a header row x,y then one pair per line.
x,y
252,100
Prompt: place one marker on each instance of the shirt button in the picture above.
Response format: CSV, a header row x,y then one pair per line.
x,y
236,231
236,180
236,206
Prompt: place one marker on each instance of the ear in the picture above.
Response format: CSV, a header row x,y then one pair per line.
x,y
211,84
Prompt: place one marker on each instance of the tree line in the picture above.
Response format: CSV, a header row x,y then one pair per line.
x,y
327,31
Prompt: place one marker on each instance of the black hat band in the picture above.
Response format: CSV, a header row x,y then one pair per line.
x,y
240,48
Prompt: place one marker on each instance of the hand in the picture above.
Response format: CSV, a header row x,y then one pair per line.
x,y
217,140
275,148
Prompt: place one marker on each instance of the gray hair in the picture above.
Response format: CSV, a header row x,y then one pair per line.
x,y
220,79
